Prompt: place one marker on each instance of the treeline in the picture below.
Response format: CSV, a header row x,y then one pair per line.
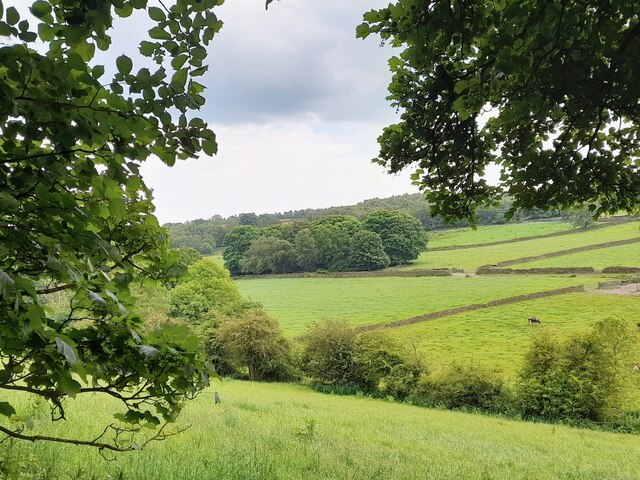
x,y
206,235
333,243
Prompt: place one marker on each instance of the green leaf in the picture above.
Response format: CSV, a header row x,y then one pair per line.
x,y
45,32
179,79
210,147
156,14
40,8
158,33
66,351
12,16
96,298
6,283
6,409
362,30
124,64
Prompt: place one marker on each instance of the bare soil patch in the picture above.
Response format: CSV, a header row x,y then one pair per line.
x,y
632,289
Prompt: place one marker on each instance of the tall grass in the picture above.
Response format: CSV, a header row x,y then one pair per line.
x,y
270,431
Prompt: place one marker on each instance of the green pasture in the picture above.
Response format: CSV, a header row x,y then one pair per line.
x,y
288,432
494,233
471,258
625,255
296,302
498,337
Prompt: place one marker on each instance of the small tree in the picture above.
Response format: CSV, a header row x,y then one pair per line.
x,y
207,286
306,250
329,349
366,252
255,341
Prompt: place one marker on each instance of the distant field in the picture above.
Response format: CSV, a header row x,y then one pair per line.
x,y
471,258
498,336
494,233
257,433
296,302
626,255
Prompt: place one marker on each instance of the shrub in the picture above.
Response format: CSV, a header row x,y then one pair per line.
x,y
329,349
465,386
255,341
385,366
585,377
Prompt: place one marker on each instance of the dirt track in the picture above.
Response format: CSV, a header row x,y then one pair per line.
x,y
632,289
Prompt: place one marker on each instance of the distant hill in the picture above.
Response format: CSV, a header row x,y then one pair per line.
x,y
206,235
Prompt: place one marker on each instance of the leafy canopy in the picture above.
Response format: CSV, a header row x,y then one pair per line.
x,y
75,214
548,91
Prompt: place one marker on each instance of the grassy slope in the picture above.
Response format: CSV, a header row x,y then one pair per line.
x,y
296,302
494,233
625,255
499,336
471,258
254,435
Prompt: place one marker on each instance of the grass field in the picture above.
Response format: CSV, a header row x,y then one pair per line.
x,y
287,432
497,337
625,255
296,302
471,258
494,233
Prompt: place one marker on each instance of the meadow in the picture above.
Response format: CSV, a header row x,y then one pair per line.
x,y
296,302
288,432
459,237
625,255
498,337
470,259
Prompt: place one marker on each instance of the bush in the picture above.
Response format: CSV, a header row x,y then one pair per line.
x,y
465,386
386,367
329,348
254,341
585,377
345,362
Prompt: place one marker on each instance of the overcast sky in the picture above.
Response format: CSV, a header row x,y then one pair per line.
x,y
297,103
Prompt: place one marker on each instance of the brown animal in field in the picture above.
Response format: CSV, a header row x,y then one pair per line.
x,y
533,320
638,324
637,368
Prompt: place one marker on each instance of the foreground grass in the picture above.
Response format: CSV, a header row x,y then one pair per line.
x,y
494,233
471,258
625,255
296,302
498,337
271,431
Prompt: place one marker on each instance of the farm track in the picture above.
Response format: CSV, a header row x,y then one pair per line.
x,y
468,308
562,253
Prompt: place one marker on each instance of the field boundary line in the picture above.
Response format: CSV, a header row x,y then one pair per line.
x,y
468,308
562,253
522,239
435,272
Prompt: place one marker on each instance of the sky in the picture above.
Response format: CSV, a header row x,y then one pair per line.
x,y
297,103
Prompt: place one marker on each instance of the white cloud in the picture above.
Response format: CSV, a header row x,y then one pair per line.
x,y
273,167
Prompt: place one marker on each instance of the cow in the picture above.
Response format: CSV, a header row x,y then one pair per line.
x,y
637,368
533,320
638,324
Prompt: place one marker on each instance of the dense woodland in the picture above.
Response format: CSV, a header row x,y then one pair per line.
x,y
206,235
335,243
